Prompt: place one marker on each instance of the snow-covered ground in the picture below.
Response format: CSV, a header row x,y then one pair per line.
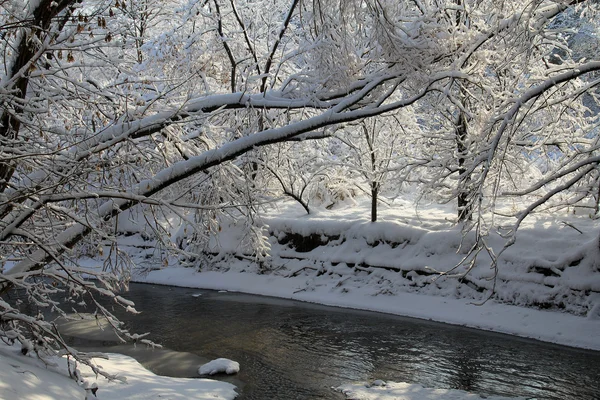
x,y
549,326
27,377
547,286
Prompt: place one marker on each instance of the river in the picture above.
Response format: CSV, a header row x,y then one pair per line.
x,y
294,350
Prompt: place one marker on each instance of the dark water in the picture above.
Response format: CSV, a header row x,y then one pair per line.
x,y
293,350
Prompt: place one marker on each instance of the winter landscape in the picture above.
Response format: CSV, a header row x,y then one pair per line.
x,y
293,199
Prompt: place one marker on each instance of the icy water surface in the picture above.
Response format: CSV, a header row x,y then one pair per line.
x,y
293,350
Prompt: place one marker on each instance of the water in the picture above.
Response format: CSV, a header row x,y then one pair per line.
x,y
293,350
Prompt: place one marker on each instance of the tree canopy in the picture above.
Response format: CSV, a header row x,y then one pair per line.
x,y
199,107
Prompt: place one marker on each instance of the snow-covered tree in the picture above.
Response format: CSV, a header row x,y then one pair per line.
x,y
373,150
108,106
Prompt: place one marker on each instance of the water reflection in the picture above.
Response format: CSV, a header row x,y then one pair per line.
x,y
291,350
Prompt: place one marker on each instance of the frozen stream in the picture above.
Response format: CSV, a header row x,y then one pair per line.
x,y
293,350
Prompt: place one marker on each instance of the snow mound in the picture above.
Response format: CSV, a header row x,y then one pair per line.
x,y
27,377
407,391
220,365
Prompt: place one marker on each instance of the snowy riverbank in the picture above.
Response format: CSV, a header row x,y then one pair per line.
x,y
27,377
547,286
549,326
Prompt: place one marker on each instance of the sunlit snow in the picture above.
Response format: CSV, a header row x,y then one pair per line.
x,y
391,276
26,377
218,366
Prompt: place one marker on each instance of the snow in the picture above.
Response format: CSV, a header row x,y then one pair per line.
x,y
548,326
550,263
218,366
26,377
390,267
380,390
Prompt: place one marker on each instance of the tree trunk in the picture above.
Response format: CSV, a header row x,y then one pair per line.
x,y
597,205
26,50
374,193
464,205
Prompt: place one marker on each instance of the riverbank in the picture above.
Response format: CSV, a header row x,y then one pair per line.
x,y
28,377
546,285
546,288
548,326
293,350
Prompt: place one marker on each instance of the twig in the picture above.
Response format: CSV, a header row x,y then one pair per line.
x,y
571,226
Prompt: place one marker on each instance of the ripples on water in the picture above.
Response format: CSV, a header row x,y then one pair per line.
x,y
292,350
